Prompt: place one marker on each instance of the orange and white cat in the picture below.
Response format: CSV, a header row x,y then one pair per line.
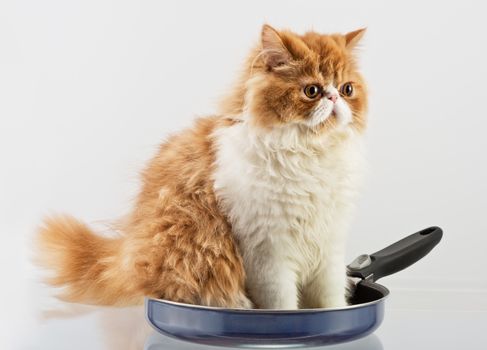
x,y
248,208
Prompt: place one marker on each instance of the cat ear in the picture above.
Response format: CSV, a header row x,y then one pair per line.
x,y
353,38
274,51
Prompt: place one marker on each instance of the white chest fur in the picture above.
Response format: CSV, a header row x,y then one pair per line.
x,y
288,199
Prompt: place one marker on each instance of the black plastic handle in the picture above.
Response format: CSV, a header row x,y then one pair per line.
x,y
397,256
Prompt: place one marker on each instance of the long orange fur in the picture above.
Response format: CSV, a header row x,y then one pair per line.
x,y
176,243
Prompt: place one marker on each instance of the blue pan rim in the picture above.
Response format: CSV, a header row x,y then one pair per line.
x,y
383,289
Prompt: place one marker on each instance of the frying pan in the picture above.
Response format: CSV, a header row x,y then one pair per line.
x,y
297,328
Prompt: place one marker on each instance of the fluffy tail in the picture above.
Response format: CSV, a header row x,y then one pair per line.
x,y
86,266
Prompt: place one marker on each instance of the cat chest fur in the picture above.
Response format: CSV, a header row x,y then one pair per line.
x,y
286,196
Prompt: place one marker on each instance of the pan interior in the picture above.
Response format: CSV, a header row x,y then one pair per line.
x,y
367,292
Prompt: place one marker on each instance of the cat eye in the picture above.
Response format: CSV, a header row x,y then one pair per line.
x,y
347,89
313,90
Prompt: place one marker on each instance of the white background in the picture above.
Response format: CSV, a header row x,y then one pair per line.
x,y
88,89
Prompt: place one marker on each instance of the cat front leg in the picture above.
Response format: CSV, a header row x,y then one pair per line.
x,y
327,289
273,287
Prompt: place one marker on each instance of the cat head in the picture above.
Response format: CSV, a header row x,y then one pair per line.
x,y
309,80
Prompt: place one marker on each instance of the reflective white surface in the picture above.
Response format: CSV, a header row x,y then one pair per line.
x,y
126,329
160,342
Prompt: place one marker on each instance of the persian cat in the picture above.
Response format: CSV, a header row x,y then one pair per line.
x,y
248,208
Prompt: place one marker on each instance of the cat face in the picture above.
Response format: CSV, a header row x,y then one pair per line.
x,y
309,80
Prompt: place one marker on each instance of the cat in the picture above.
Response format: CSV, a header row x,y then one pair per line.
x,y
248,208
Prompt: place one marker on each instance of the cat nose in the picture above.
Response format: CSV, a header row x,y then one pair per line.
x,y
333,97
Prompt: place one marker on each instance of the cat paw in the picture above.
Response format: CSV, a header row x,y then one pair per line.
x,y
243,302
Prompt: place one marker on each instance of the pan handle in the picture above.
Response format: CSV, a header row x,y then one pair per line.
x,y
397,256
